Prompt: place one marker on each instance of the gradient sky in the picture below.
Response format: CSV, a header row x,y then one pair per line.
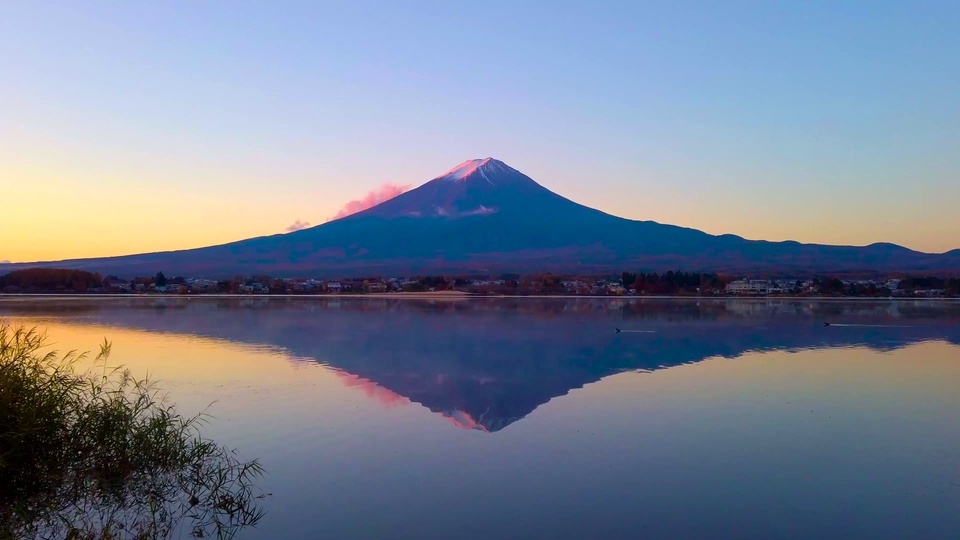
x,y
128,127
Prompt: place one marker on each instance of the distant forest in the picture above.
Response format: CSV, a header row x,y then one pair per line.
x,y
50,280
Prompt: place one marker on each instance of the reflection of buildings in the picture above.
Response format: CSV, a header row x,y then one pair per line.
x,y
485,364
762,307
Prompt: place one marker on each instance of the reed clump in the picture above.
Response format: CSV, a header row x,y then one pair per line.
x,y
95,453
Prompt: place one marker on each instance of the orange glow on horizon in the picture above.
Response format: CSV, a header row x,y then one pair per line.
x,y
58,217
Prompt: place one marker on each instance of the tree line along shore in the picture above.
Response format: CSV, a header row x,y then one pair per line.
x,y
671,283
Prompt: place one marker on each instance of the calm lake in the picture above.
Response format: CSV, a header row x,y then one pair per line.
x,y
532,418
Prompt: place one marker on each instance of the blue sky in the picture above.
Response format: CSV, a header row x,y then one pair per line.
x,y
144,126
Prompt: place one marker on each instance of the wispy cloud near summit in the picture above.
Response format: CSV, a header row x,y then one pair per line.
x,y
298,225
381,194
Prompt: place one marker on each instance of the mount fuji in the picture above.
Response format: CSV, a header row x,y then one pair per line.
x,y
483,216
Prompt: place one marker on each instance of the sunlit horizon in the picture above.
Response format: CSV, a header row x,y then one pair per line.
x,y
145,128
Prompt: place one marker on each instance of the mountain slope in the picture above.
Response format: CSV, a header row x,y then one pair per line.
x,y
488,217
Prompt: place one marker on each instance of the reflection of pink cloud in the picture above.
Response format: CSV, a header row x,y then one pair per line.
x,y
381,194
388,398
298,225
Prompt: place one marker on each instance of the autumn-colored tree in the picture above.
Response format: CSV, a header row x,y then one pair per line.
x,y
49,280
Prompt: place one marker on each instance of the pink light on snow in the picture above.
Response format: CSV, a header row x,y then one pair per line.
x,y
386,397
382,194
463,420
465,169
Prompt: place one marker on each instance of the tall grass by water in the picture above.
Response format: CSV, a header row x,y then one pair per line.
x,y
94,453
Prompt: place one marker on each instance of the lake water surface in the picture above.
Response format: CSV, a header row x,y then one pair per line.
x,y
531,418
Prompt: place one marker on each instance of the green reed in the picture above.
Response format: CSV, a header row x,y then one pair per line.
x,y
98,454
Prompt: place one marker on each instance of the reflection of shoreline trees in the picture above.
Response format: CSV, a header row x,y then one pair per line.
x,y
99,455
665,309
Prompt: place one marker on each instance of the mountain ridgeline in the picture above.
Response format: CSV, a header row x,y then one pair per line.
x,y
484,216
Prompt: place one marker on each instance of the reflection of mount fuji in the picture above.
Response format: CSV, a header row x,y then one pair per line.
x,y
488,363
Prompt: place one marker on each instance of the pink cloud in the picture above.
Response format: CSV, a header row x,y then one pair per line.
x,y
298,225
381,194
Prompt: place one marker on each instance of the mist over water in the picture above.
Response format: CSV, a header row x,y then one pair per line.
x,y
529,418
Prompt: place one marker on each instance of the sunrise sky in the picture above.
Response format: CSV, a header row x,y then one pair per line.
x,y
134,127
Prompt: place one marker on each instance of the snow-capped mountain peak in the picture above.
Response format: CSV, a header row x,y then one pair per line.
x,y
476,187
481,168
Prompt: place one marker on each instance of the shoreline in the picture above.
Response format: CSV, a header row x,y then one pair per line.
x,y
458,295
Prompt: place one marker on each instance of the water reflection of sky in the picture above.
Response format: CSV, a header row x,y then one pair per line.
x,y
766,424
